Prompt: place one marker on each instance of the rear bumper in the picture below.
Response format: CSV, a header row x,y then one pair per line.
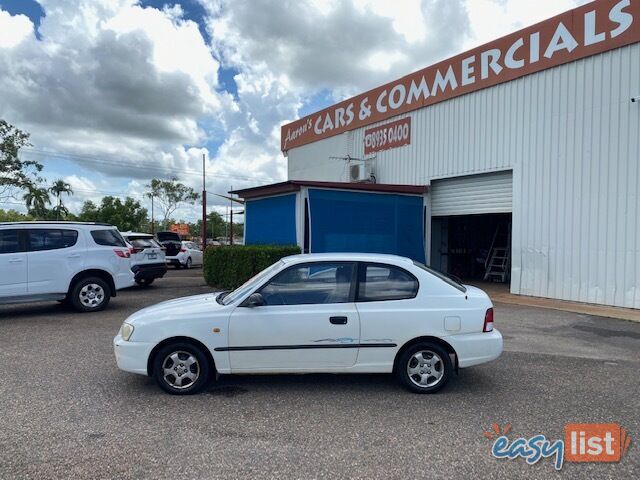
x,y
476,348
131,356
123,280
149,270
175,261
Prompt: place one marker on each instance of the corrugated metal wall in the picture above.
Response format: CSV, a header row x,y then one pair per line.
x,y
571,136
472,194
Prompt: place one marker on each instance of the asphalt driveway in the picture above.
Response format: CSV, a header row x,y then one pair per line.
x,y
66,411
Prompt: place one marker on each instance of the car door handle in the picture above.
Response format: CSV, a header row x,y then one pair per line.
x,y
74,255
15,260
338,320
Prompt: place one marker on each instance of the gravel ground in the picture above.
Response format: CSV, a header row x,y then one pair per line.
x,y
66,411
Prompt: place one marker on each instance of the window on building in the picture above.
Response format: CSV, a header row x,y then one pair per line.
x,y
385,282
310,283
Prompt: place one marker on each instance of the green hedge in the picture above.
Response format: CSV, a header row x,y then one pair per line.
x,y
229,267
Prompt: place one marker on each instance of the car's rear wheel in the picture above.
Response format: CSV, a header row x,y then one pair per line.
x,y
424,367
187,265
145,281
181,368
90,294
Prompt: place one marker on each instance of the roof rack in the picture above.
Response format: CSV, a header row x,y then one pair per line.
x,y
56,222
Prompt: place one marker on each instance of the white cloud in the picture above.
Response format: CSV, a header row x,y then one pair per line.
x,y
14,29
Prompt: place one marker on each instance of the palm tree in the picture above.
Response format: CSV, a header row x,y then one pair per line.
x,y
37,199
58,188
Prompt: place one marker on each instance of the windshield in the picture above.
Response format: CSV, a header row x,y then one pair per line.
x,y
443,276
250,284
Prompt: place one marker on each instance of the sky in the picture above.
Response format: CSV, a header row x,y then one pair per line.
x,y
116,92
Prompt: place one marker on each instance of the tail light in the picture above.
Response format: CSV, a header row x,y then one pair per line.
x,y
488,321
122,253
183,249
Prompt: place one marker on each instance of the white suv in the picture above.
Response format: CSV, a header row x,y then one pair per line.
x,y
80,263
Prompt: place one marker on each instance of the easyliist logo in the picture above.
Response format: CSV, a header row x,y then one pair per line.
x,y
583,442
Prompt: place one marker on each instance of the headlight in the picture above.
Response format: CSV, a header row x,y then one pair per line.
x,y
126,331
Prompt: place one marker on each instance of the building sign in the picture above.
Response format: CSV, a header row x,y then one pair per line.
x,y
390,135
180,228
587,30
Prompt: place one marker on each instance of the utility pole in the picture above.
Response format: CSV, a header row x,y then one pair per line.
x,y
204,206
153,224
231,219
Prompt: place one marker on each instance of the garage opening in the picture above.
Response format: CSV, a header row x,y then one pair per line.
x,y
473,247
471,226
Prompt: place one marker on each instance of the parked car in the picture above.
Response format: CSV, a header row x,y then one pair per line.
x,y
147,257
180,253
84,264
339,313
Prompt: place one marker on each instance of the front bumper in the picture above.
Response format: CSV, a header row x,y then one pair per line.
x,y
131,356
149,270
476,348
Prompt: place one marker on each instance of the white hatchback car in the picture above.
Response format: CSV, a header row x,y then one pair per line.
x,y
147,257
180,253
339,313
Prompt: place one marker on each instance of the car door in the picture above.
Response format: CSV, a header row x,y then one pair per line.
x,y
308,322
54,257
196,253
13,263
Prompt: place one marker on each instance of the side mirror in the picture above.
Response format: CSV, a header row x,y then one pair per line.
x,y
254,300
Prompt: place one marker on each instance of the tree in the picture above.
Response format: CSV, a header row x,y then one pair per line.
x,y
127,216
58,188
170,194
13,216
37,200
15,174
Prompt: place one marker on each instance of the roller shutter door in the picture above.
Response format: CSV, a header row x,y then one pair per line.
x,y
472,194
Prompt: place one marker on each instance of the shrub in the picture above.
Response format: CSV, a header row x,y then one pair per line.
x,y
229,267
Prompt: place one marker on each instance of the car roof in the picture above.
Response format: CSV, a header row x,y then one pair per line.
x,y
347,256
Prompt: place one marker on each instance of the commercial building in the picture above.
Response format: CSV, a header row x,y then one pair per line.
x,y
521,156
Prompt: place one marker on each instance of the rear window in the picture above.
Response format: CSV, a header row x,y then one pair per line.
x,y
9,241
442,276
385,282
109,238
51,239
144,242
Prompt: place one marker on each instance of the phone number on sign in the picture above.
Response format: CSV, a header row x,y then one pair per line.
x,y
391,135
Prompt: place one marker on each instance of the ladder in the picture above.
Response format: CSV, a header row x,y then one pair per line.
x,y
498,263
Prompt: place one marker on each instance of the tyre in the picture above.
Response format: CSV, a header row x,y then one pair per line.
x,y
145,282
187,265
424,368
181,368
90,294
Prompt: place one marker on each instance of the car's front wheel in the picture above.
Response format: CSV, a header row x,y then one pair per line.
x,y
90,294
181,368
424,368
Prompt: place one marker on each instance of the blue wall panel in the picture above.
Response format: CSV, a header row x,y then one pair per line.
x,y
271,221
366,222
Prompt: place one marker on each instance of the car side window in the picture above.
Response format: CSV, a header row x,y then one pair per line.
x,y
310,283
51,239
378,282
110,238
9,241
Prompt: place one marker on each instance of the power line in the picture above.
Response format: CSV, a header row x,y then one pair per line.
x,y
166,170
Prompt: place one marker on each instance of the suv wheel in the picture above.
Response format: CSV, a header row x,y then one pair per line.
x,y
90,294
424,368
181,368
